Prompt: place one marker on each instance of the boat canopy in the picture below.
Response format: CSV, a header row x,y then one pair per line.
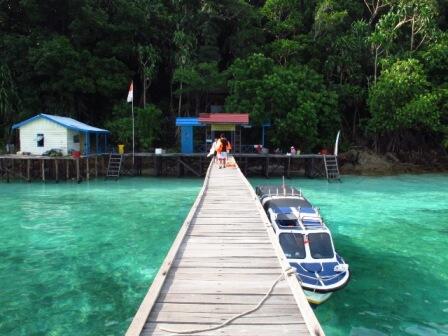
x,y
281,205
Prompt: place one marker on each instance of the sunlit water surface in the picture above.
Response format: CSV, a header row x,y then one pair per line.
x,y
78,259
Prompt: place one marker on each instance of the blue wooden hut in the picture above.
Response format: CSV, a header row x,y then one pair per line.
x,y
44,132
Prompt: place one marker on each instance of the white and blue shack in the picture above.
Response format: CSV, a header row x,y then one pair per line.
x,y
45,132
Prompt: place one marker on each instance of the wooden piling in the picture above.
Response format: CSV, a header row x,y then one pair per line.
x,y
96,166
78,178
157,165
28,170
29,167
266,171
56,170
180,168
7,172
42,164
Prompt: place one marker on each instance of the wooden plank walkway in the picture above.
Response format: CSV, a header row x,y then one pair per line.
x,y
223,261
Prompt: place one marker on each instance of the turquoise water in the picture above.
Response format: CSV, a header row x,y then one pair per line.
x,y
78,259
393,231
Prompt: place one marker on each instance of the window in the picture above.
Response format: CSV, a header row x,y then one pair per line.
x,y
40,140
287,222
76,138
292,245
320,245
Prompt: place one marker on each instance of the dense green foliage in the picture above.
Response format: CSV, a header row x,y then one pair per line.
x,y
377,69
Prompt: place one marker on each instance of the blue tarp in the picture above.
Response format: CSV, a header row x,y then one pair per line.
x,y
188,121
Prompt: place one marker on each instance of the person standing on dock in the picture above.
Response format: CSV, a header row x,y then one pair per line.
x,y
223,148
213,151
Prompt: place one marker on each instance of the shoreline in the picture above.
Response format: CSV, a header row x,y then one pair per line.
x,y
368,163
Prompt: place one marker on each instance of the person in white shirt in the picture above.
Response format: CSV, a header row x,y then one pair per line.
x,y
212,151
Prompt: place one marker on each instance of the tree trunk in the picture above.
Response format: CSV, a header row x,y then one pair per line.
x,y
375,71
354,123
144,91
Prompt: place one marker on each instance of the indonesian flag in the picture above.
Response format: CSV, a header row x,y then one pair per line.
x,y
131,93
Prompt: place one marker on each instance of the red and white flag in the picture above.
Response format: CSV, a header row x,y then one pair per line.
x,y
131,93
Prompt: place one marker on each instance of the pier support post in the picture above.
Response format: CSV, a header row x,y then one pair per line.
x,y
56,170
157,164
266,170
67,169
78,179
180,167
7,171
42,165
96,166
28,170
87,169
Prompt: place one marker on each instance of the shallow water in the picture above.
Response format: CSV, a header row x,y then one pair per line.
x,y
78,259
393,231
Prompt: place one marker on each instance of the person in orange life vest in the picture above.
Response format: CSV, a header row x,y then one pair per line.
x,y
223,148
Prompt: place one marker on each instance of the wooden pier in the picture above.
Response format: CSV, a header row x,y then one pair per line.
x,y
66,168
223,261
45,168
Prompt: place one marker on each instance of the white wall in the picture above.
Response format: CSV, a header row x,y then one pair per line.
x,y
70,144
55,136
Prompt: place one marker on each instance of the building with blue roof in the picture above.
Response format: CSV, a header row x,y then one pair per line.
x,y
44,132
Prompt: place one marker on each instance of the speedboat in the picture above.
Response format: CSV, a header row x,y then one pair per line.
x,y
305,240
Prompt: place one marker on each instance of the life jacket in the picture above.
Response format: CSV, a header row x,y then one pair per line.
x,y
224,144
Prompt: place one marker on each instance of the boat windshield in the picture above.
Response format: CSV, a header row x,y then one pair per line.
x,y
320,245
287,222
292,245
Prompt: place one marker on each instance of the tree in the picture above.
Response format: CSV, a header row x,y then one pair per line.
x,y
247,87
375,7
9,103
402,101
147,125
148,122
148,59
199,80
329,15
184,44
293,98
412,19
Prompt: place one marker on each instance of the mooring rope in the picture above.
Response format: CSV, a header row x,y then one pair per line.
x,y
288,271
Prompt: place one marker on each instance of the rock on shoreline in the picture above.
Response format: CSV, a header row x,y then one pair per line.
x,y
367,162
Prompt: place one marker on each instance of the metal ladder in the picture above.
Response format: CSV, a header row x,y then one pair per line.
x,y
331,167
114,167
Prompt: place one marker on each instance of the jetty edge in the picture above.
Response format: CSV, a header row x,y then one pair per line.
x,y
222,262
